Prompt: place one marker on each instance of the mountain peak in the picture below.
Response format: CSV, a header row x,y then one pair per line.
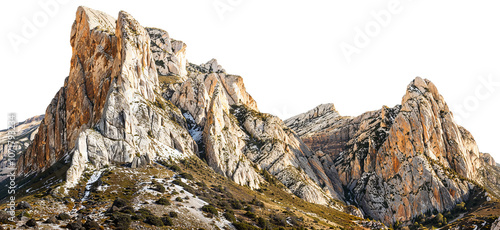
x,y
376,146
423,87
315,118
95,19
133,107
321,110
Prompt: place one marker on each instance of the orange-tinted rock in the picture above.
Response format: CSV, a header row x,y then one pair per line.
x,y
392,156
105,111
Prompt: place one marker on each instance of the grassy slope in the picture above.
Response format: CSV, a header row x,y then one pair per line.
x,y
275,199
270,205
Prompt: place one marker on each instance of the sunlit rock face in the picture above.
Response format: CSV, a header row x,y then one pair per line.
x,y
392,162
238,141
109,110
131,97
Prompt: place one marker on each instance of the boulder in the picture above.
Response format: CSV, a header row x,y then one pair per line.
x,y
31,223
23,205
51,220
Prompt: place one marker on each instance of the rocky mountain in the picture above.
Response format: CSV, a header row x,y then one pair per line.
x,y
489,174
113,110
109,110
397,163
136,128
24,134
132,100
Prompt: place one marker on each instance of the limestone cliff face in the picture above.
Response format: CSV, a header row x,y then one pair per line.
x,y
110,109
489,174
169,54
314,120
132,97
323,117
24,134
238,141
392,162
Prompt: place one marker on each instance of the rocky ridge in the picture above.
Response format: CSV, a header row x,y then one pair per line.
x,y
109,110
131,97
238,141
394,163
132,100
24,134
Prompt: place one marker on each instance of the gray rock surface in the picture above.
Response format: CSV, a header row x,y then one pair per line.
x,y
110,109
314,120
394,162
113,110
170,59
239,141
24,134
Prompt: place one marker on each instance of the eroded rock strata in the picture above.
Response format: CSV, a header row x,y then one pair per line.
x,y
393,162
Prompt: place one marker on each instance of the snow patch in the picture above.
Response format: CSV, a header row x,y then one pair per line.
x,y
95,176
413,88
195,130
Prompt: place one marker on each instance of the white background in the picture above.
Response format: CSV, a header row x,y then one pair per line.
x,y
288,52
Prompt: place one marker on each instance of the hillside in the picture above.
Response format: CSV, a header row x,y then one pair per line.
x,y
140,138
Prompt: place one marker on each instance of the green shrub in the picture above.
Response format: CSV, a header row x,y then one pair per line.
x,y
201,184
244,226
145,212
173,214
175,168
460,207
128,210
264,224
249,208
122,221
278,219
250,215
160,188
172,167
119,203
184,186
163,201
142,214
257,202
154,220
167,221
235,204
186,176
210,209
229,215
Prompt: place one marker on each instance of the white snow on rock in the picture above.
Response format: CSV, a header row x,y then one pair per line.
x,y
195,131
